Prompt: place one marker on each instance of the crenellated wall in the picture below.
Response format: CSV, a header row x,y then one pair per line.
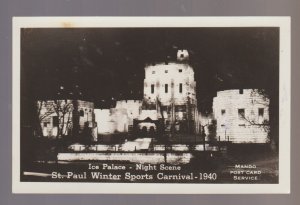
x,y
118,119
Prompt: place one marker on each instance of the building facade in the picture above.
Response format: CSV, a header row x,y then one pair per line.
x,y
242,116
169,105
60,118
118,119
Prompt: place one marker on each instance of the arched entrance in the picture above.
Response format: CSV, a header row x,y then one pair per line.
x,y
146,127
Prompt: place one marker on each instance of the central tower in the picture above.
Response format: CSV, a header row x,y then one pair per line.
x,y
170,88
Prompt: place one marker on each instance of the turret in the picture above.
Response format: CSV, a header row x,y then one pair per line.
x,y
182,55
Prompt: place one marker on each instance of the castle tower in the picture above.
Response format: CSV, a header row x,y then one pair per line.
x,y
182,55
171,90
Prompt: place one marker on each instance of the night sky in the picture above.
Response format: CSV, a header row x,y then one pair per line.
x,y
107,64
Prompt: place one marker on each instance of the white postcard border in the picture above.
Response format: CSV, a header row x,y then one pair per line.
x,y
157,188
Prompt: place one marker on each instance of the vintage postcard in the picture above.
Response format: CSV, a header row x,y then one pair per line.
x,y
156,105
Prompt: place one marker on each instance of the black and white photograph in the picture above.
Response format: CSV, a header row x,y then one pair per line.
x,y
151,105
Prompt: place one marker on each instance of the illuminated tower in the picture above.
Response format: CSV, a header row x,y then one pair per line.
x,y
170,88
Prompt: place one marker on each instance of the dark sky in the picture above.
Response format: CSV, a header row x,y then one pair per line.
x,y
106,63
